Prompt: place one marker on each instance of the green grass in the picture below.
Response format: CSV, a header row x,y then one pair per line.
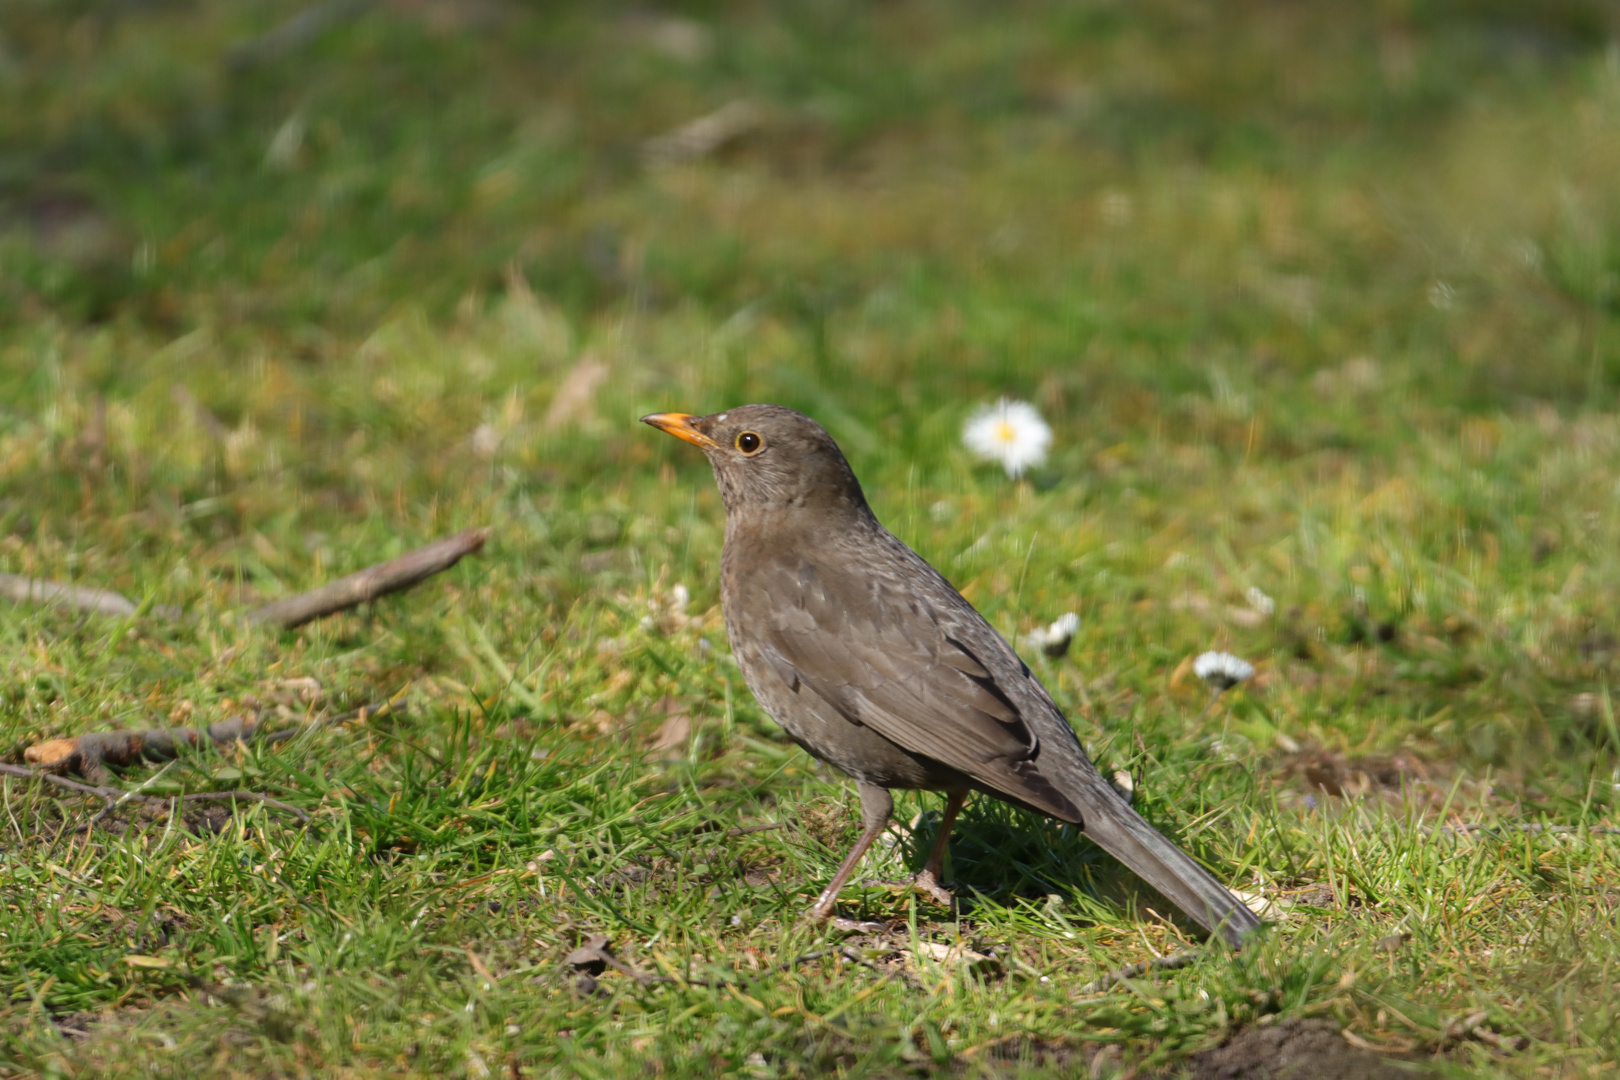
x,y
1322,303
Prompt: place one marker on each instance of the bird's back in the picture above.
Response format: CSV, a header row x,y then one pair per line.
x,y
856,617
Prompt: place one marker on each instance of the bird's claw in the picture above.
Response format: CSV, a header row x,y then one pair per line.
x,y
927,882
822,913
855,926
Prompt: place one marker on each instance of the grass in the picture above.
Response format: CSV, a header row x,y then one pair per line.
x,y
1321,302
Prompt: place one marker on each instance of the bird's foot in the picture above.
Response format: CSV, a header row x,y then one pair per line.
x,y
856,926
822,912
927,882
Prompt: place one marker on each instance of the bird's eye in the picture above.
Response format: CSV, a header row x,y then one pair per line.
x,y
749,443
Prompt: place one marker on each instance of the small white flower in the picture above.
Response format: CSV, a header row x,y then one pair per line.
x,y
679,597
484,441
1010,432
1060,633
1222,670
1258,600
1054,640
1125,784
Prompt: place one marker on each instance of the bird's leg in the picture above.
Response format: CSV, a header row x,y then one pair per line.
x,y
876,806
927,879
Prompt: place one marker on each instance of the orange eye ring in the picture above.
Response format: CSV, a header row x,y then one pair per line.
x,y
749,442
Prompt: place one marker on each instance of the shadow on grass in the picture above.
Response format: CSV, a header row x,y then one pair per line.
x,y
1015,858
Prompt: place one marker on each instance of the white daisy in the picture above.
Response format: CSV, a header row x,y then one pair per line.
x,y
1010,432
1054,640
1222,670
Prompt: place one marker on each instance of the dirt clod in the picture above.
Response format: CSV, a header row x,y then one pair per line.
x,y
1293,1050
592,957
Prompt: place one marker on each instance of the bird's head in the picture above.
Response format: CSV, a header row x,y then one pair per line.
x,y
766,457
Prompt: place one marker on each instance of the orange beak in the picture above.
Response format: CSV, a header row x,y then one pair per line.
x,y
679,424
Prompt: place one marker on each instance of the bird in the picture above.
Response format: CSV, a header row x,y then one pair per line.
x,y
870,660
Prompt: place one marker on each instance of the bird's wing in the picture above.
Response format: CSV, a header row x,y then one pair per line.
x,y
914,662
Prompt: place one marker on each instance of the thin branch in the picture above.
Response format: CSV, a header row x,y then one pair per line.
x,y
372,582
38,591
233,796
90,754
25,590
304,28
362,714
1133,971
358,588
750,830
60,781
1533,828
701,137
117,796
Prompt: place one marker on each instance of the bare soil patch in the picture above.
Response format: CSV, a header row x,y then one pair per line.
x,y
1295,1050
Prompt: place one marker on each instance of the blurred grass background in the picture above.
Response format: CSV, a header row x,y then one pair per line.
x,y
1320,300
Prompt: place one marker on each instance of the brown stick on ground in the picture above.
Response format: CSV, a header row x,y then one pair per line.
x,y
114,796
392,576
37,591
303,28
1132,971
372,582
90,754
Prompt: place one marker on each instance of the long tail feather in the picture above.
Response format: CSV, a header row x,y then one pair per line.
x,y
1109,820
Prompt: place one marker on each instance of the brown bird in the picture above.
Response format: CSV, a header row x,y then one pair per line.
x,y
870,660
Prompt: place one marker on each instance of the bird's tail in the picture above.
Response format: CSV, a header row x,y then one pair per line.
x,y
1109,820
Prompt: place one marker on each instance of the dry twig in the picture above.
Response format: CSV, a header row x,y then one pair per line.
x,y
91,753
117,796
701,137
25,590
395,575
1132,971
1533,828
304,28
366,585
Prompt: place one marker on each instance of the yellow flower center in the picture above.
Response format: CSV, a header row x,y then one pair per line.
x,y
1005,432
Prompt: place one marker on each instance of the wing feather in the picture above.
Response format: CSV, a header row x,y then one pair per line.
x,y
925,679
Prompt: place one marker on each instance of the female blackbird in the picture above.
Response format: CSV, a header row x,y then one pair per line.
x,y
871,661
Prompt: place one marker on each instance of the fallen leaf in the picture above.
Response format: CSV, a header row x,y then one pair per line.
x,y
147,961
575,398
673,732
